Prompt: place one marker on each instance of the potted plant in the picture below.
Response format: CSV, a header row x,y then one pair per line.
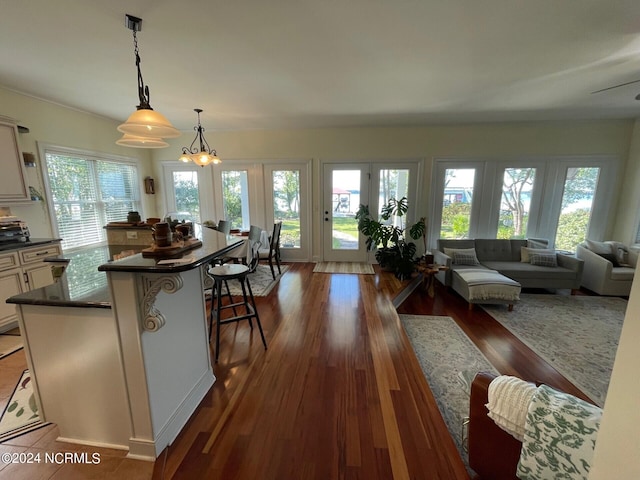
x,y
387,235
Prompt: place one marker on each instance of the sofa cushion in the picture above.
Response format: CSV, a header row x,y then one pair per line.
x,y
522,271
599,247
489,249
525,253
622,273
544,259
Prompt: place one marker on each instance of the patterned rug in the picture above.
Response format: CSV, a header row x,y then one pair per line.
x,y
261,281
344,267
578,335
9,344
21,413
449,361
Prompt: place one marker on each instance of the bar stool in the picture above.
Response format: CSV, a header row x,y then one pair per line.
x,y
222,274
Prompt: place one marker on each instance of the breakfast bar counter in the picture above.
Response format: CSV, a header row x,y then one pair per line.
x,y
129,368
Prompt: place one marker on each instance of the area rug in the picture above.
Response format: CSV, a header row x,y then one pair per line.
x,y
449,361
261,281
9,344
578,335
344,267
21,413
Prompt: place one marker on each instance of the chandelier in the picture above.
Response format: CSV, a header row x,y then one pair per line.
x,y
145,128
200,154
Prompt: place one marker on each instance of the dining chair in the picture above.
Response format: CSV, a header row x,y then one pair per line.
x,y
273,251
246,253
221,274
224,226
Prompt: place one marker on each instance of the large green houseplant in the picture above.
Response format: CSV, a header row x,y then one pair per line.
x,y
387,236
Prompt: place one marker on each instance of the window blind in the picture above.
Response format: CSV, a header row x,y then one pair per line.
x,y
87,193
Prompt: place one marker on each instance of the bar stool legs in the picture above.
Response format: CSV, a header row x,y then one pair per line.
x,y
222,274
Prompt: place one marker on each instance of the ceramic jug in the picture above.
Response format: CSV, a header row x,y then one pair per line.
x,y
162,234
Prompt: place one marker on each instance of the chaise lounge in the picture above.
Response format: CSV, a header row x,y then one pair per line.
x,y
528,263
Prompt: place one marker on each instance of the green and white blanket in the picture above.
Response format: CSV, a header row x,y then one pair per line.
x,y
560,436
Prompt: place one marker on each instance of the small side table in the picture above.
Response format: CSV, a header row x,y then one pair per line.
x,y
428,272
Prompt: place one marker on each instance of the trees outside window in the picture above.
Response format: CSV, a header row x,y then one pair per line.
x,y
517,186
286,205
87,192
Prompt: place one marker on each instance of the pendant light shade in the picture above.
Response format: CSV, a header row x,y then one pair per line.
x,y
141,142
144,122
148,123
199,151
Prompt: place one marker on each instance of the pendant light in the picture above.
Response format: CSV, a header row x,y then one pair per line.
x,y
141,142
200,154
144,122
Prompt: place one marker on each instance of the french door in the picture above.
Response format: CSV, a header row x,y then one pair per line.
x,y
346,187
188,190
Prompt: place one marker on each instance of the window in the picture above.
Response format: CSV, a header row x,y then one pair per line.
x,y
577,206
517,188
563,199
86,192
457,202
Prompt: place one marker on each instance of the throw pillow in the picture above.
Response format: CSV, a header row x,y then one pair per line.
x,y
466,251
544,259
611,257
599,247
526,252
465,258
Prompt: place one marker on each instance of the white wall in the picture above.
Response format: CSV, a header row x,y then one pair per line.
x,y
617,454
54,124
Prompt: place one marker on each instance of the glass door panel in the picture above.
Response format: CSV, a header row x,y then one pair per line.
x,y
457,202
187,193
346,186
515,205
577,205
286,205
393,184
235,198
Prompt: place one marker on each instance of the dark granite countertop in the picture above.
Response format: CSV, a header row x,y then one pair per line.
x,y
33,242
214,244
84,282
81,284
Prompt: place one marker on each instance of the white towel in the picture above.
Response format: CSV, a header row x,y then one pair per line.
x,y
509,399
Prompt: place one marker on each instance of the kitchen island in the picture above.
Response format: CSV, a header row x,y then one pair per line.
x,y
125,364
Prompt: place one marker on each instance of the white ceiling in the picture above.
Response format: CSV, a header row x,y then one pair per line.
x,y
294,63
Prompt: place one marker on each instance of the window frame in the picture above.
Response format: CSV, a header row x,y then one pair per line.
x,y
546,202
89,156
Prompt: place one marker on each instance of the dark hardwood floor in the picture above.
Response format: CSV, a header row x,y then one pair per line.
x,y
338,394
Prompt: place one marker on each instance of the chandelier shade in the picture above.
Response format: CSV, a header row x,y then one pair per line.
x,y
199,151
141,142
144,122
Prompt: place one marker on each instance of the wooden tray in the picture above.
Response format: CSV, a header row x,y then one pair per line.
x,y
174,250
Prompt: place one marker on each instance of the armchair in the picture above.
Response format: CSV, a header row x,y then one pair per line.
x,y
609,267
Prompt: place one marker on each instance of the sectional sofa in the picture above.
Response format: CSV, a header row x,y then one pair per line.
x,y
528,262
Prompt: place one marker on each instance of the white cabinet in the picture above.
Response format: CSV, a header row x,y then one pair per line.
x,y
14,187
11,283
20,271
